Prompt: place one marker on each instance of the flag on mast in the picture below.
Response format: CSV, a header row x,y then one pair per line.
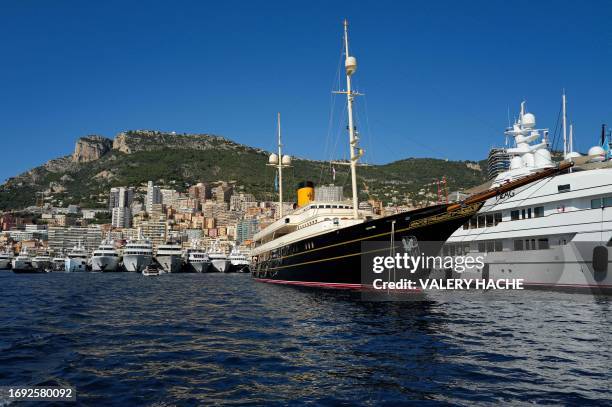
x,y
276,182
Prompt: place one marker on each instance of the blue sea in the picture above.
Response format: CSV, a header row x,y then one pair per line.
x,y
201,339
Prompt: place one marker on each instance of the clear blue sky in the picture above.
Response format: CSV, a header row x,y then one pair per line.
x,y
438,76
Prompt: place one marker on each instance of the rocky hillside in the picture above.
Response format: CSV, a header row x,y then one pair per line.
x,y
179,160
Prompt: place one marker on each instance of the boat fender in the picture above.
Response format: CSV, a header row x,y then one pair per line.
x,y
600,259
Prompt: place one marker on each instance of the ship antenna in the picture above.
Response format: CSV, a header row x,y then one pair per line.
x,y
563,99
280,169
350,64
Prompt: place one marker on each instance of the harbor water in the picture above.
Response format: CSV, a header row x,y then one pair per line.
x,y
194,339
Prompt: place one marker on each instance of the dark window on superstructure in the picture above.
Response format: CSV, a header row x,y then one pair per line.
x,y
490,246
514,215
529,213
466,225
538,211
328,206
481,221
489,218
473,223
543,244
498,218
499,246
596,203
481,247
563,188
607,202
522,213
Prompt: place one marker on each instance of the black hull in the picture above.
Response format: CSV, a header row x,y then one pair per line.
x,y
334,259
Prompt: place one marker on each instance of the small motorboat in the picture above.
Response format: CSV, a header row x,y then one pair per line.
x,y
152,270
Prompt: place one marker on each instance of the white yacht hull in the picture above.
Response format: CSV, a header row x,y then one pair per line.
x,y
23,266
105,263
5,263
42,265
75,265
170,263
136,262
201,266
220,265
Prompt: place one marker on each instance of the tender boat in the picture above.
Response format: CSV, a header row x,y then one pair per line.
x,y
152,270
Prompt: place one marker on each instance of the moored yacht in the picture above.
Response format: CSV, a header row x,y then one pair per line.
x,y
43,262
6,257
170,257
58,263
552,234
218,259
106,257
198,260
76,259
23,262
239,262
138,254
320,243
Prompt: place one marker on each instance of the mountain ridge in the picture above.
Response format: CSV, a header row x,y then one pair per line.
x,y
178,160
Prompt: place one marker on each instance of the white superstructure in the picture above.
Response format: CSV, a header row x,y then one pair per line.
x,y
6,258
23,261
239,261
105,257
42,262
138,254
556,232
199,260
170,257
76,260
218,259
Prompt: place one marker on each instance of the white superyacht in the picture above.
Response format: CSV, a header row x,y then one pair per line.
x,y
199,260
239,262
170,257
106,257
555,233
138,254
43,262
23,262
76,260
219,261
6,258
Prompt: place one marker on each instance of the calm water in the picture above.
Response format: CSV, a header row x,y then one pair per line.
x,y
124,339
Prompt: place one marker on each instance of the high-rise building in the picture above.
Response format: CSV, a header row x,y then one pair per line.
x,y
120,202
63,239
201,191
498,161
246,229
153,196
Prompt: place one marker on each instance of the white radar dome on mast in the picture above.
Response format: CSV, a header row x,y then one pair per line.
x,y
286,160
351,65
528,121
273,160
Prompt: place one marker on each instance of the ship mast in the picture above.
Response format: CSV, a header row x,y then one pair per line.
x,y
279,162
280,170
564,125
350,64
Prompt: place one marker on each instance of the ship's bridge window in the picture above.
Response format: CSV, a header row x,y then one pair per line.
x,y
498,217
514,215
607,201
564,188
334,206
596,203
481,221
473,223
328,206
538,211
489,220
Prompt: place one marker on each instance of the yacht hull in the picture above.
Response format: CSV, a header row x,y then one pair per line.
x,y
5,264
105,263
170,263
75,265
334,261
201,266
136,262
220,265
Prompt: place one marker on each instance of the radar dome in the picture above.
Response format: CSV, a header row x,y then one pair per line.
x,y
273,159
572,154
286,160
528,121
597,154
350,65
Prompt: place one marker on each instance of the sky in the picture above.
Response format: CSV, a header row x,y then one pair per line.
x,y
440,78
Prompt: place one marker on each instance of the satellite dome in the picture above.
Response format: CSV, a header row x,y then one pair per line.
x,y
273,159
351,65
572,154
528,121
286,160
597,154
